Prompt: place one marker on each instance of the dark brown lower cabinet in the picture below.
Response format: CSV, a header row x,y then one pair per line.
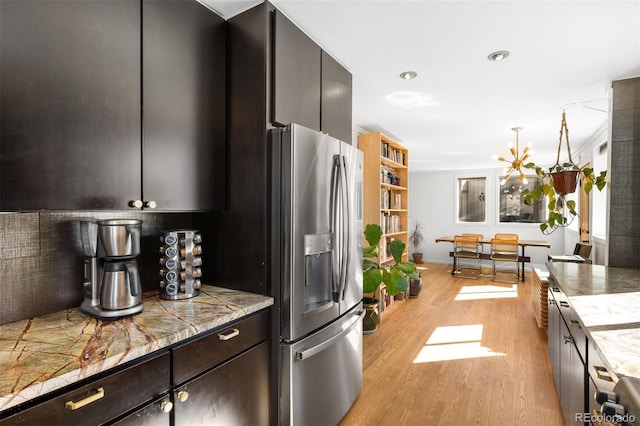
x,y
567,351
222,377
237,392
104,399
218,377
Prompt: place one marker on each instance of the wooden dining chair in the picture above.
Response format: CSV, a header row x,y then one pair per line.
x,y
466,256
504,248
480,238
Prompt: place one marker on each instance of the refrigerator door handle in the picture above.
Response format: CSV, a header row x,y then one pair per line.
x,y
336,227
346,230
308,353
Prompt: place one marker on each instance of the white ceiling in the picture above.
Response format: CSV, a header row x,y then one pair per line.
x,y
563,54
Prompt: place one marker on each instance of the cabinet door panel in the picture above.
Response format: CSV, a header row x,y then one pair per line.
x,y
572,375
70,104
237,392
184,105
149,415
296,75
336,112
553,335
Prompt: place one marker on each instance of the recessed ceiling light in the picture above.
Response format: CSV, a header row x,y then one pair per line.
x,y
408,75
498,56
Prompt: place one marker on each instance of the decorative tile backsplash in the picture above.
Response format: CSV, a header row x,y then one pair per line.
x,y
20,235
41,257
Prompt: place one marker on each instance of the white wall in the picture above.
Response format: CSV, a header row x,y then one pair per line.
x,y
432,201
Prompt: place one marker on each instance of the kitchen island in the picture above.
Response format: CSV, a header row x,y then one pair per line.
x,y
593,341
42,354
606,301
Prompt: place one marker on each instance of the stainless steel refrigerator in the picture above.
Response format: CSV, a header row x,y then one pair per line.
x,y
316,188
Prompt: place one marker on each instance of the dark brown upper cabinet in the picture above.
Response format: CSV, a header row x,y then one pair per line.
x,y
296,75
111,104
335,117
309,86
69,104
183,79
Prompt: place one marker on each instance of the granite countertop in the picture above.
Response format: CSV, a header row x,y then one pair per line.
x,y
39,355
607,301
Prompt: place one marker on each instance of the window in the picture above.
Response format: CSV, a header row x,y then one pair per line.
x,y
471,199
512,206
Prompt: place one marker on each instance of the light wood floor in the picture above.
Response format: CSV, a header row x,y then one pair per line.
x,y
503,376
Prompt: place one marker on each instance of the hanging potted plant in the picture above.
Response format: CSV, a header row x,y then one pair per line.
x,y
393,274
560,180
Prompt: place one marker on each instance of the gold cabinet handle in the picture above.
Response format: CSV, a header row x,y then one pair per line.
x,y
182,395
603,373
166,406
70,405
229,335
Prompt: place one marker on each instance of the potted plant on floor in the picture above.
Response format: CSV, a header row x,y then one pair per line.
x,y
394,274
416,238
558,181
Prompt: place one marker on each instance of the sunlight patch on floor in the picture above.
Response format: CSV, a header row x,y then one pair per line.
x,y
455,342
479,292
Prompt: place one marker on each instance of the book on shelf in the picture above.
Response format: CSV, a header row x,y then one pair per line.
x,y
384,149
385,248
390,223
382,300
392,154
390,199
389,175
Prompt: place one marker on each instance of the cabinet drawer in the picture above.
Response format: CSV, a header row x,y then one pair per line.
x,y
199,355
105,398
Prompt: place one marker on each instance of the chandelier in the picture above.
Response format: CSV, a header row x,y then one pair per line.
x,y
517,163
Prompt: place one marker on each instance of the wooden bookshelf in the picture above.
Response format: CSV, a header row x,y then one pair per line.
x,y
386,198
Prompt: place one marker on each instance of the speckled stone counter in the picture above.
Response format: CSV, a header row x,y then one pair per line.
x,y
607,302
45,353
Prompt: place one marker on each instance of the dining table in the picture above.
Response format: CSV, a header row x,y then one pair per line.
x,y
522,257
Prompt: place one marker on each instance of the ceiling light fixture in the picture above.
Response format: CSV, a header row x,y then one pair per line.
x,y
498,56
518,160
408,75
